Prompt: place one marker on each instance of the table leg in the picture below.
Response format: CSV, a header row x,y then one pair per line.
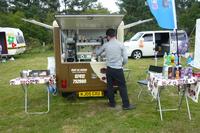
x,y
25,98
188,108
159,105
128,75
25,88
186,99
181,99
48,94
141,89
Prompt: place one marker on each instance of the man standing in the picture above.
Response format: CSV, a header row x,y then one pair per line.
x,y
116,57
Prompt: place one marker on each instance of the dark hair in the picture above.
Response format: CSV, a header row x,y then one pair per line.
x,y
110,32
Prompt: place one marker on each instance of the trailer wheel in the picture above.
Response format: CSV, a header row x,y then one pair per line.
x,y
137,54
69,95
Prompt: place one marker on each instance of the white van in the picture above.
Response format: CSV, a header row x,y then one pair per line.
x,y
146,43
12,41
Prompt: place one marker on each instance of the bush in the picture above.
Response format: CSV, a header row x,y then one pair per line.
x,y
34,46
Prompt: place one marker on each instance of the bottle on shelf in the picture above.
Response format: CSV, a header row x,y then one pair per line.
x,y
169,59
170,73
189,72
182,75
179,57
172,60
165,72
176,60
165,59
177,76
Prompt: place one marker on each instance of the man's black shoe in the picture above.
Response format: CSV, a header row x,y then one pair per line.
x,y
111,105
129,107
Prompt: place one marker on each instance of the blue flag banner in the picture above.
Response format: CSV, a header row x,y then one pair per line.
x,y
164,12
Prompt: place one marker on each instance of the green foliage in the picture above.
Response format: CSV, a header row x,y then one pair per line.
x,y
98,9
40,10
187,19
44,10
83,7
191,43
95,11
187,13
78,5
3,6
11,19
135,10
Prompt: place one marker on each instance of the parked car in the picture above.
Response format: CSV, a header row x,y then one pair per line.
x,y
146,43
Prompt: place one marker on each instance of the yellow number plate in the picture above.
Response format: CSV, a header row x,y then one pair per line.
x,y
91,94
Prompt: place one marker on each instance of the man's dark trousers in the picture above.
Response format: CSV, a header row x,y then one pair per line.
x,y
116,76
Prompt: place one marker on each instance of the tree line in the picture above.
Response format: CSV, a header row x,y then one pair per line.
x,y
12,12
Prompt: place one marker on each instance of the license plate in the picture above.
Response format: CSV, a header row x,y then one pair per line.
x,y
91,94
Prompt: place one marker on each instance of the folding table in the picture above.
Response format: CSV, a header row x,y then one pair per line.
x,y
25,82
188,86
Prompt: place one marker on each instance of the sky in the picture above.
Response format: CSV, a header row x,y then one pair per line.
x,y
110,4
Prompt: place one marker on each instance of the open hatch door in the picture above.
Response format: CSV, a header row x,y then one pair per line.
x,y
88,21
3,49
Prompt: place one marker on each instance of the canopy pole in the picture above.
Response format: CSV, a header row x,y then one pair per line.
x,y
177,51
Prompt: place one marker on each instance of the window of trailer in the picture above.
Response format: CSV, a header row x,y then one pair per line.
x,y
79,45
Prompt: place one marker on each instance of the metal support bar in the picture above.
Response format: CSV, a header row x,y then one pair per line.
x,y
25,88
159,105
179,105
159,92
181,99
188,108
164,110
128,71
141,90
140,93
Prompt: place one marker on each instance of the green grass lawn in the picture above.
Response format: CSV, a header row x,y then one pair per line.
x,y
88,115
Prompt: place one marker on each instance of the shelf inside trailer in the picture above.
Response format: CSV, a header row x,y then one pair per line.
x,y
88,43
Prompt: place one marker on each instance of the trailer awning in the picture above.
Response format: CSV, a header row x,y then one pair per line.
x,y
88,21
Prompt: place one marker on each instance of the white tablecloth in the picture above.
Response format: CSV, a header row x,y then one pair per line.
x,y
33,80
156,81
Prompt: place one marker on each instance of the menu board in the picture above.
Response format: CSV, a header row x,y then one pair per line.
x,y
197,46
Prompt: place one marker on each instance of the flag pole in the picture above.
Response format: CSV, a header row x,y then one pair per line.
x,y
177,46
175,27
174,12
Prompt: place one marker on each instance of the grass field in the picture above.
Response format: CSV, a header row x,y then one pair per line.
x,y
88,115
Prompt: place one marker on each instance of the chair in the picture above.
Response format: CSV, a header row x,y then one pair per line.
x,y
127,73
144,82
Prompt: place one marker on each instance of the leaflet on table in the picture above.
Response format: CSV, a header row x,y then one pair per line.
x,y
193,92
